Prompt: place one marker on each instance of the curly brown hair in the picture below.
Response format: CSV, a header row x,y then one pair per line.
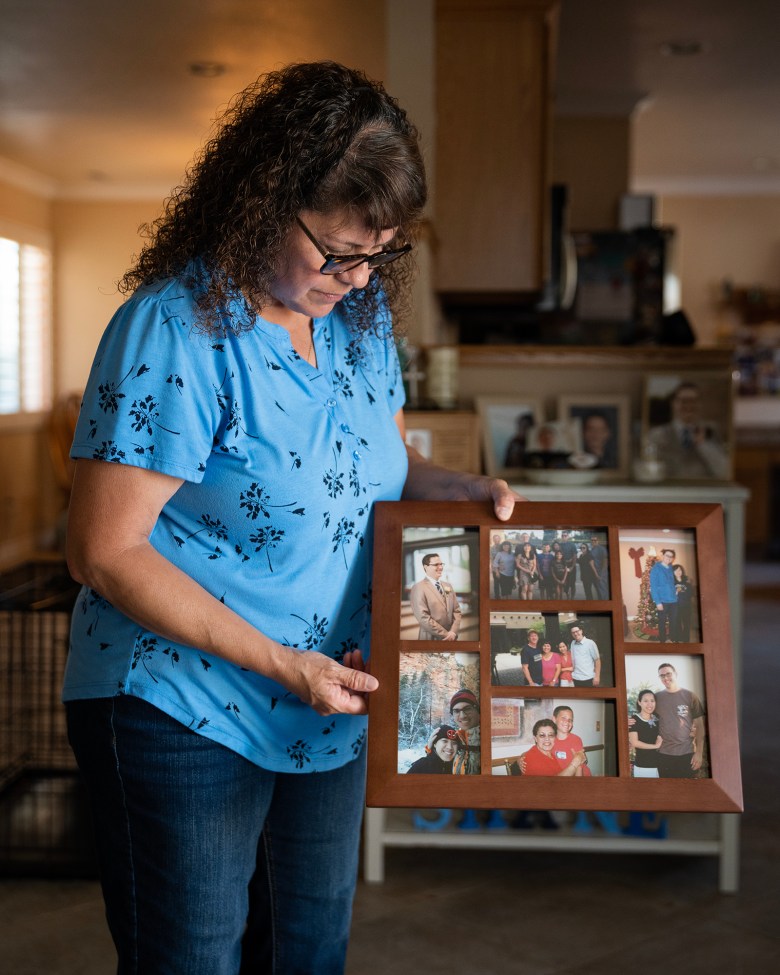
x,y
316,136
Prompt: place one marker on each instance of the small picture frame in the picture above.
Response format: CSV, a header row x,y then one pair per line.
x,y
687,424
505,422
483,717
438,714
604,423
667,716
440,588
421,438
660,585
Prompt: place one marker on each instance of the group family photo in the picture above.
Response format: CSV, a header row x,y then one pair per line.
x,y
550,563
551,649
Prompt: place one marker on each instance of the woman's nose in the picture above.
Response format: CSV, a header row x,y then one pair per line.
x,y
357,277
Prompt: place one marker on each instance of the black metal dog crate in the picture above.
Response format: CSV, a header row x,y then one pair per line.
x,y
45,826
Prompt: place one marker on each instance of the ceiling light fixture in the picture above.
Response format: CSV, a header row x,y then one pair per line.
x,y
207,69
681,49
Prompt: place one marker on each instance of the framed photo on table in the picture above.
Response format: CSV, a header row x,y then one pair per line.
x,y
519,693
604,423
506,422
687,424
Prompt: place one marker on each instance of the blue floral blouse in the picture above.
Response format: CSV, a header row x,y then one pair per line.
x,y
282,462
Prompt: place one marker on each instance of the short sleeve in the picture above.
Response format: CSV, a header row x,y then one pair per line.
x,y
145,403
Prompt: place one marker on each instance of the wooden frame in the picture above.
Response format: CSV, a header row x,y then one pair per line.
x,y
499,418
612,786
709,455
616,411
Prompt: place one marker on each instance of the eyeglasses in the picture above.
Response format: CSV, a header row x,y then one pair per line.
x,y
467,709
436,565
338,263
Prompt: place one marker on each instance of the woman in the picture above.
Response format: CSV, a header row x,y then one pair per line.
x,y
243,414
551,666
439,753
567,665
540,760
525,562
560,573
504,565
587,571
643,737
684,589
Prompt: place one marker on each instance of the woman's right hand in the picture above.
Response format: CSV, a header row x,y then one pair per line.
x,y
327,686
659,741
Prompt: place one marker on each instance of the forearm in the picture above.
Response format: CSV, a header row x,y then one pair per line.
x,y
425,480
112,515
641,744
698,735
157,595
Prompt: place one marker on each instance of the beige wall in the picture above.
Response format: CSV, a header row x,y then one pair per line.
x,y
722,237
94,243
24,207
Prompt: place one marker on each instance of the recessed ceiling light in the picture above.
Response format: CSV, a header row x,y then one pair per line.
x,y
207,69
681,49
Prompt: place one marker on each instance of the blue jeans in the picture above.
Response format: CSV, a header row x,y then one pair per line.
x,y
209,864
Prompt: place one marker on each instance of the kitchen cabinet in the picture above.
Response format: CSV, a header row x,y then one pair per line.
x,y
494,66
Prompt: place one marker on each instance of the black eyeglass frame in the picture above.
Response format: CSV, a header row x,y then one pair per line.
x,y
338,263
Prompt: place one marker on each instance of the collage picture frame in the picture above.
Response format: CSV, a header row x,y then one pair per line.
x,y
609,687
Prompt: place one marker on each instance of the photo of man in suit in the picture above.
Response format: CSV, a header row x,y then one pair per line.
x,y
435,603
689,445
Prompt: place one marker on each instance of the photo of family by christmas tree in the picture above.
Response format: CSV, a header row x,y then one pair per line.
x,y
659,582
553,736
667,717
438,714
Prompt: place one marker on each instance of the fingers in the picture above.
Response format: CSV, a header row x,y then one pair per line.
x,y
354,660
358,681
504,499
330,688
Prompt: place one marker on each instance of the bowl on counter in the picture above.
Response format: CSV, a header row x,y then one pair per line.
x,y
564,477
565,471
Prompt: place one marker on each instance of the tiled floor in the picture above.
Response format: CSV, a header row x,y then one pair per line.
x,y
515,913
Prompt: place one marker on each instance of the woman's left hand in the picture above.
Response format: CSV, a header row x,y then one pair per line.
x,y
491,489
